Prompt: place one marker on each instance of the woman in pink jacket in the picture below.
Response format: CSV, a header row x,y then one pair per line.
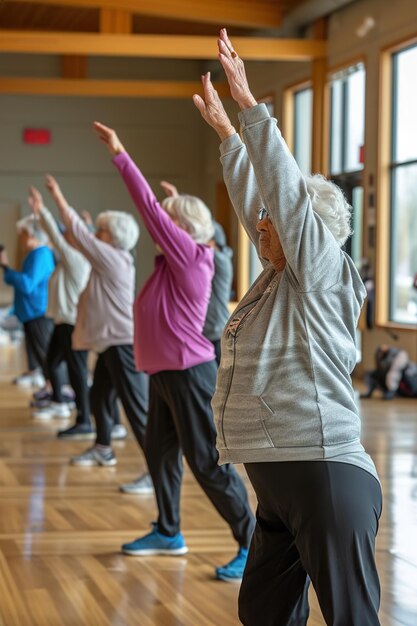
x,y
169,316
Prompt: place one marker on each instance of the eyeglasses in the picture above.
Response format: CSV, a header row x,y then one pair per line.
x,y
262,214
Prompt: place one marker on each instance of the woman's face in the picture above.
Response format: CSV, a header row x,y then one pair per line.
x,y
104,235
269,244
24,240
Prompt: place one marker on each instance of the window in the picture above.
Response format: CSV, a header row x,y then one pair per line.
x,y
347,119
403,187
347,136
302,132
347,132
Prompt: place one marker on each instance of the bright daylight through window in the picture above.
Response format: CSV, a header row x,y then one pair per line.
x,y
403,222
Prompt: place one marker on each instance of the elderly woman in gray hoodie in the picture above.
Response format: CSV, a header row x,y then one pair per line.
x,y
284,403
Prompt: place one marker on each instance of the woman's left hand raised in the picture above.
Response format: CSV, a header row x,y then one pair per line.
x,y
35,201
212,109
108,135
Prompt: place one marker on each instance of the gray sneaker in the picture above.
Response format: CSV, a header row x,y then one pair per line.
x,y
141,486
94,456
119,431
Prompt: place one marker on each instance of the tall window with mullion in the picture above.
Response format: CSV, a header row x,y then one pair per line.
x,y
302,131
347,132
347,136
403,244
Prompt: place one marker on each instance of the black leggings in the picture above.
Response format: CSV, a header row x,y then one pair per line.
x,y
116,376
38,334
60,350
316,520
181,423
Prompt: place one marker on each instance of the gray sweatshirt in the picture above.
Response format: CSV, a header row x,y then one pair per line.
x,y
284,390
105,311
218,309
70,275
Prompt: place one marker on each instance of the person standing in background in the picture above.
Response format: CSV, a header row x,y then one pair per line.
x,y
218,309
169,345
65,286
31,288
105,325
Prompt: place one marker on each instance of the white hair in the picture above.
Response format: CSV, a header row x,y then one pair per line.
x,y
122,227
192,215
329,202
31,225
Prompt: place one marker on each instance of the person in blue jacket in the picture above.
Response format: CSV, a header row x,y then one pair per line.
x,y
31,285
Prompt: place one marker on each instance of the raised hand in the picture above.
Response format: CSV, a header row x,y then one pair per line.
x,y
35,201
212,109
52,186
109,137
170,190
235,72
55,191
87,218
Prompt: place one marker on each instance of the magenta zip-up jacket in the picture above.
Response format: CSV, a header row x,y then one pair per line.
x,y
170,311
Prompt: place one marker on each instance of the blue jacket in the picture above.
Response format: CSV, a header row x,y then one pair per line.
x,y
31,284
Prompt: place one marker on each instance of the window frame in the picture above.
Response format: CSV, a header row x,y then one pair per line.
x,y
288,109
385,187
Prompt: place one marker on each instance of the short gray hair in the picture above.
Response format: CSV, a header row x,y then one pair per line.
x,y
193,215
329,202
123,228
31,225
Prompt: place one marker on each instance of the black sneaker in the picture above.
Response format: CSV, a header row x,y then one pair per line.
x,y
42,394
79,431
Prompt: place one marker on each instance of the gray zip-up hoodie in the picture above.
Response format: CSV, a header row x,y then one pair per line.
x,y
284,390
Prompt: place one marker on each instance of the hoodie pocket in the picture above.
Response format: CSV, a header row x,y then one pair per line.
x,y
244,423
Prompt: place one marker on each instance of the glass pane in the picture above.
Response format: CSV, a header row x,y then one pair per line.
x,y
403,297
405,105
336,128
357,221
354,121
303,117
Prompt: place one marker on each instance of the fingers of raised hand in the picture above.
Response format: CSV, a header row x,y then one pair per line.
x,y
199,103
104,132
224,39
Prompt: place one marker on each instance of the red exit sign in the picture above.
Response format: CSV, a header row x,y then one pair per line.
x,y
36,136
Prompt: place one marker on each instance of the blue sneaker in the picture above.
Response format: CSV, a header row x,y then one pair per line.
x,y
233,571
156,543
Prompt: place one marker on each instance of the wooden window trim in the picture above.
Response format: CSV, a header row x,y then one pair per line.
x,y
383,203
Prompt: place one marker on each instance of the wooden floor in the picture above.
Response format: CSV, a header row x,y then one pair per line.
x,y
61,528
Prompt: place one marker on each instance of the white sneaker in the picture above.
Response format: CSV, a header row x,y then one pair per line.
x,y
119,431
24,380
54,409
38,380
30,379
94,456
141,486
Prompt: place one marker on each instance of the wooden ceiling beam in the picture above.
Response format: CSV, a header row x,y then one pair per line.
x,y
244,13
158,46
105,88
115,21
